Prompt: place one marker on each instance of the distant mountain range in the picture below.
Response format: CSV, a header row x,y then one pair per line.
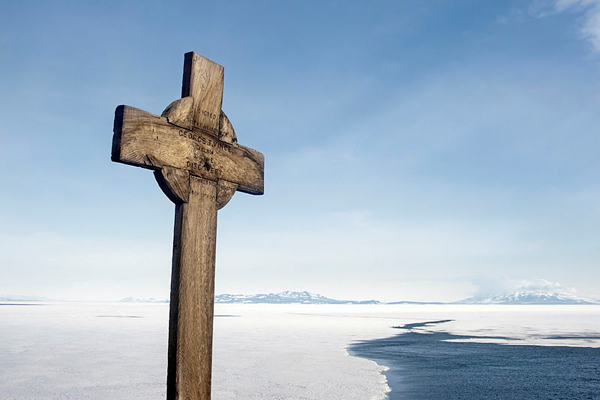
x,y
291,297
132,299
286,297
21,298
529,297
522,297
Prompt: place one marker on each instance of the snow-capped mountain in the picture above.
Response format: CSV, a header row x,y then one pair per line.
x,y
529,297
21,298
285,297
132,299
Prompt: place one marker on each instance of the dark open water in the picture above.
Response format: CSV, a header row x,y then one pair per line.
x,y
424,367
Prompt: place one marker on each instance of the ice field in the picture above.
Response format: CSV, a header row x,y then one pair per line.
x,y
261,351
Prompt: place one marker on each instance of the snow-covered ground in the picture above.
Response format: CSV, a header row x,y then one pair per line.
x,y
261,351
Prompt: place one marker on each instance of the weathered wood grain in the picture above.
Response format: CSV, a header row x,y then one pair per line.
x,y
174,182
225,191
203,80
146,140
226,131
192,294
180,112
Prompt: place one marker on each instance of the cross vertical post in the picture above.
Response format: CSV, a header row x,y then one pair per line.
x,y
191,313
193,150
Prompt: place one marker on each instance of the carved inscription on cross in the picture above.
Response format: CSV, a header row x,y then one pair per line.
x,y
199,165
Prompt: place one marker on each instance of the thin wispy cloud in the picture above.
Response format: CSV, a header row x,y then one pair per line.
x,y
589,10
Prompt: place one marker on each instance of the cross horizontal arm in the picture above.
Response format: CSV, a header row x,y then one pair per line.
x,y
147,140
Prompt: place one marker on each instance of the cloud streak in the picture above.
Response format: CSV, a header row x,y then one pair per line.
x,y
589,10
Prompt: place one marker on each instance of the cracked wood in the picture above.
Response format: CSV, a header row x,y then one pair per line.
x,y
147,140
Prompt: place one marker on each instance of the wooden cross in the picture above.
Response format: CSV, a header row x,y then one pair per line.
x,y
199,165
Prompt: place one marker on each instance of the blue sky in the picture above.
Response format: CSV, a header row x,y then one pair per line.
x,y
415,150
